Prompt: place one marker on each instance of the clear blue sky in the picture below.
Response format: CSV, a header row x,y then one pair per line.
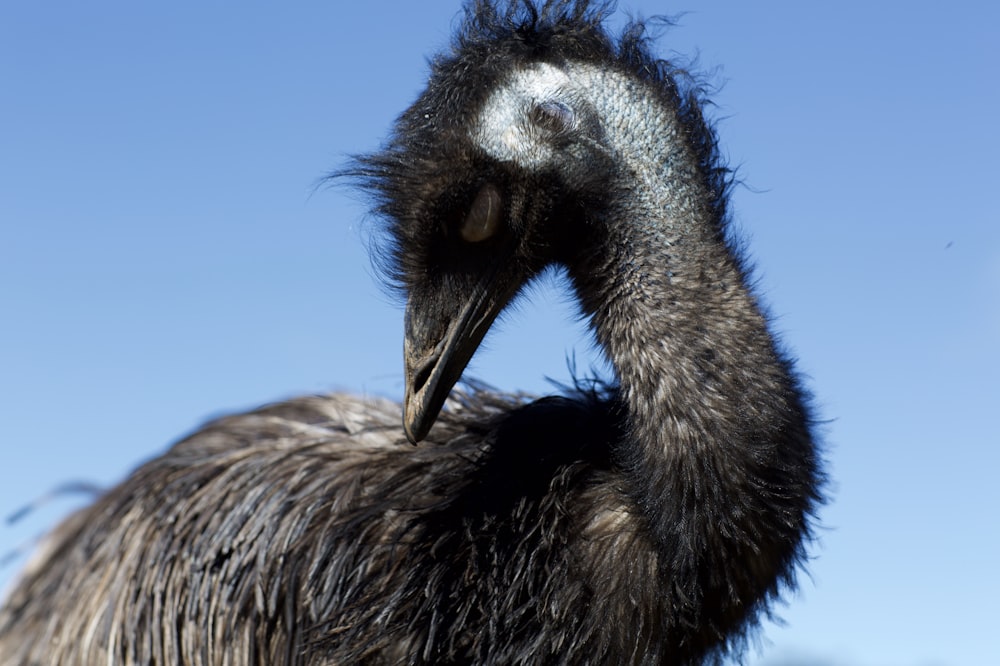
x,y
164,257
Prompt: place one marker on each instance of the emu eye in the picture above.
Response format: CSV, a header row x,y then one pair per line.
x,y
553,116
483,219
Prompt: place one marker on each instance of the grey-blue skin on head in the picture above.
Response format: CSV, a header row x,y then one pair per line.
x,y
653,521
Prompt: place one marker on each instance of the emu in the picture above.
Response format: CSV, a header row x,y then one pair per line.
x,y
651,521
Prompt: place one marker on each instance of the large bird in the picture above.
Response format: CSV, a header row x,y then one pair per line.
x,y
650,521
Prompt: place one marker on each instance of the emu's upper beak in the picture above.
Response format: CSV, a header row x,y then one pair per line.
x,y
439,344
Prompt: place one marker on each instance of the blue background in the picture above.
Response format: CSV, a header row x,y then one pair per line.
x,y
166,255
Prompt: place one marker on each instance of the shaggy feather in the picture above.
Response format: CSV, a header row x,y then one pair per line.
x,y
650,522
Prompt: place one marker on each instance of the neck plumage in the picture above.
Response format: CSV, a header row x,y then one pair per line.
x,y
718,457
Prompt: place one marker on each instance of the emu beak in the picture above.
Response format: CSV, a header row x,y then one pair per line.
x,y
438,346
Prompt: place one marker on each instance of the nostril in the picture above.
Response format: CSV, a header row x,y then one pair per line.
x,y
422,374
423,370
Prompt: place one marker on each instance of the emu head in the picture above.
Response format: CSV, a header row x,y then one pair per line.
x,y
489,177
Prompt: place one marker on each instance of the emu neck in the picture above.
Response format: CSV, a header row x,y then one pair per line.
x,y
669,305
699,376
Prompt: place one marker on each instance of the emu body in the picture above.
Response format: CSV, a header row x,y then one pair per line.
x,y
648,522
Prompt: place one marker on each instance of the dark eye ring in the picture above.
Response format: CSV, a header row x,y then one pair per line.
x,y
483,219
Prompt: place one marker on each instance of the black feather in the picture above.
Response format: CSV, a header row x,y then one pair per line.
x,y
653,521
